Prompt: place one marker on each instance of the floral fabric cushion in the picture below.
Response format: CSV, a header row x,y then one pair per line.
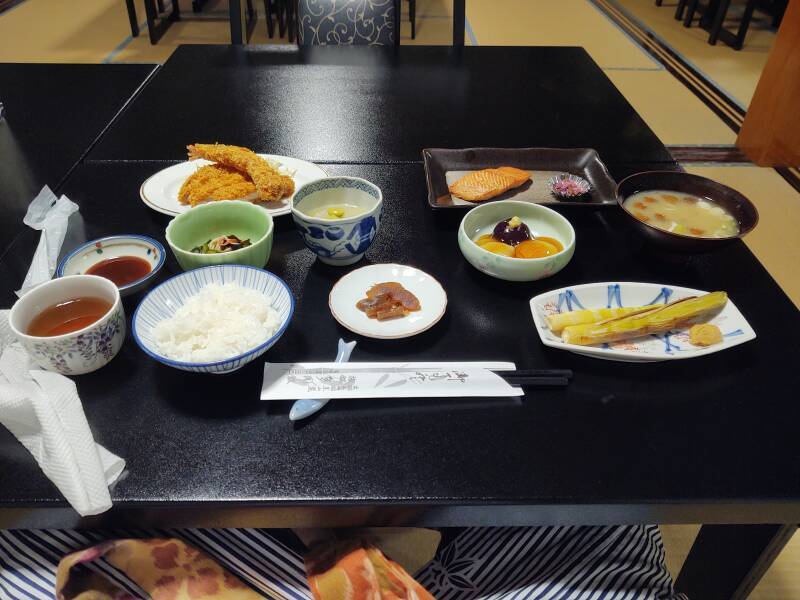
x,y
346,22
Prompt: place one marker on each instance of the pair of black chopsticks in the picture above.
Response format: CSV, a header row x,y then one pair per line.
x,y
541,378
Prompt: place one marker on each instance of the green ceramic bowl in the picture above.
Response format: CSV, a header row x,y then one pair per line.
x,y
541,220
229,217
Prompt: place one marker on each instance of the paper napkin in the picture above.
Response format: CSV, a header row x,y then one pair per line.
x,y
49,215
43,411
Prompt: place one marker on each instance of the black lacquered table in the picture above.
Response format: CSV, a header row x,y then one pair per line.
x,y
709,440
54,112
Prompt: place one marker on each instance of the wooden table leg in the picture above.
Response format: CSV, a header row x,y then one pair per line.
x,y
727,561
459,21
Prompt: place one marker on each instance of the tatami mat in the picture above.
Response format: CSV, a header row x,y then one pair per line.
x,y
736,73
775,240
676,115
64,32
562,23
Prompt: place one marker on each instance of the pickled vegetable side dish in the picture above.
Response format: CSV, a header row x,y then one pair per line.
x,y
513,238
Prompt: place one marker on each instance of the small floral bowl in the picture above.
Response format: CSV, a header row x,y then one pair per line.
x,y
338,241
87,255
81,351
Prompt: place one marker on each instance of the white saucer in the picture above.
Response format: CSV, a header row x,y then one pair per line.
x,y
160,191
353,287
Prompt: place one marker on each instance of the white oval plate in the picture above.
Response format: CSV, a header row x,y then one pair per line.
x,y
160,191
671,346
353,287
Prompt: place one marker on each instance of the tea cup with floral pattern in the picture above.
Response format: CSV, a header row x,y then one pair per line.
x,y
81,351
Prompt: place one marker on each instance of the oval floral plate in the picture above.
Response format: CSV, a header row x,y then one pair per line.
x,y
656,347
160,191
353,287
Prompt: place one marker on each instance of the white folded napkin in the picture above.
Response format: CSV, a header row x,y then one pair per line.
x,y
43,411
49,215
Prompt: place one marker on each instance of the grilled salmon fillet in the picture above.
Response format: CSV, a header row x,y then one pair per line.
x,y
488,183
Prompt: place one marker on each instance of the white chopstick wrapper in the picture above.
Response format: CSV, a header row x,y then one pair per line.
x,y
43,411
296,381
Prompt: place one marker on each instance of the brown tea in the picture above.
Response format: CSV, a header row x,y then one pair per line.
x,y
68,316
122,270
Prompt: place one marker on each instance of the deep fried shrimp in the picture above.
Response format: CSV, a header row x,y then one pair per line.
x,y
270,184
216,182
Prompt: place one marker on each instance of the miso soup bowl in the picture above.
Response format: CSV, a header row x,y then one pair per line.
x,y
338,241
81,351
735,203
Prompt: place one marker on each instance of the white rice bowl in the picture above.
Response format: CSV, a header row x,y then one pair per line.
x,y
217,323
213,319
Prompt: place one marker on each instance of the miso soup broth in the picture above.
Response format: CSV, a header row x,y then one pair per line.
x,y
682,213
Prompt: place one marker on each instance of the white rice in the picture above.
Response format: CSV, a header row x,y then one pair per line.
x,y
219,322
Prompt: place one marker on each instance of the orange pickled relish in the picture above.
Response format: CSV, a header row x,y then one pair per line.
x,y
538,248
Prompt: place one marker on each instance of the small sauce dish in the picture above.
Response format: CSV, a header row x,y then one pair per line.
x,y
126,256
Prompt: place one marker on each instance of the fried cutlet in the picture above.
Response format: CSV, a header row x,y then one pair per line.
x,y
270,184
216,182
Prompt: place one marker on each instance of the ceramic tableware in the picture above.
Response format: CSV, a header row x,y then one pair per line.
x,y
353,287
306,407
228,217
541,220
670,346
89,254
340,241
163,300
160,191
81,351
735,203
443,166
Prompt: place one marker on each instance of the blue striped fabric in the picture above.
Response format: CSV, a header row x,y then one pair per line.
x,y
530,563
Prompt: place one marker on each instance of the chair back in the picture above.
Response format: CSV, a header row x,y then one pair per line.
x,y
348,22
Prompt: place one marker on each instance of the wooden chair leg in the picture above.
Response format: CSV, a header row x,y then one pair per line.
x,y
412,15
268,10
150,11
160,4
719,20
745,24
691,8
680,9
132,18
283,9
291,19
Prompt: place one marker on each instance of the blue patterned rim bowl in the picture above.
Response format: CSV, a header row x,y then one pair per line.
x,y
338,241
85,256
81,351
163,300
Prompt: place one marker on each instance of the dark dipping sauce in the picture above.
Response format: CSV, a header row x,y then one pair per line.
x,y
121,270
68,316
